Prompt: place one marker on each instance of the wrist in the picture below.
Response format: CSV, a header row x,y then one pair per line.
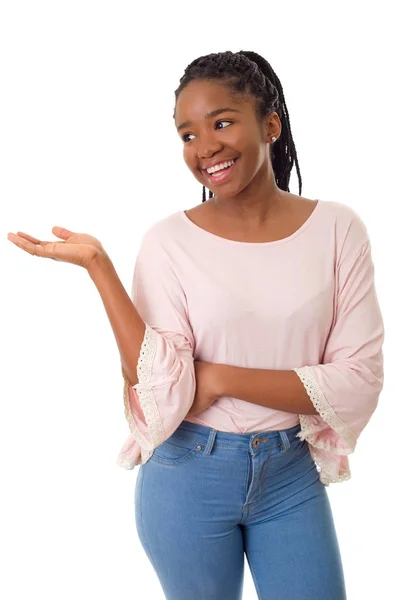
x,y
99,264
221,374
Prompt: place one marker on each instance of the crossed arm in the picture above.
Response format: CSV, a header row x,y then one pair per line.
x,y
276,389
279,390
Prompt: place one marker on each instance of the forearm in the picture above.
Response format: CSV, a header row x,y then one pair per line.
x,y
126,323
280,390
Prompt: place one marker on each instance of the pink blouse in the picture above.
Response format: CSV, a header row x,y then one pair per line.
x,y
306,303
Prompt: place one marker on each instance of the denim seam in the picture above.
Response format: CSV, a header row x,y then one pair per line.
x,y
219,445
247,482
141,518
243,449
172,462
193,443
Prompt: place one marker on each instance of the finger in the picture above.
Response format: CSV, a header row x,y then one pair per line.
x,y
62,233
20,242
32,239
28,237
31,248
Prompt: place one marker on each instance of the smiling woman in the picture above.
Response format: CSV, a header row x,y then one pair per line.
x,y
274,295
251,351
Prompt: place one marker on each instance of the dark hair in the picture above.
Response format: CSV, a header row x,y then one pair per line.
x,y
243,73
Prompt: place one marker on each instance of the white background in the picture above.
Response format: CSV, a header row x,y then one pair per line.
x,y
88,143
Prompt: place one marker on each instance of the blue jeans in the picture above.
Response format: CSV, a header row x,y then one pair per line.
x,y
205,498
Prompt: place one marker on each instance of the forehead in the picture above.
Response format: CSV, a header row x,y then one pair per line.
x,y
200,97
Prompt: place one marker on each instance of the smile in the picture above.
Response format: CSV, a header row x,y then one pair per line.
x,y
222,175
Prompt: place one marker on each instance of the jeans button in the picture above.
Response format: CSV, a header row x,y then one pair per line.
x,y
256,442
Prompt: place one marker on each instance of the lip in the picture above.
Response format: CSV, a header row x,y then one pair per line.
x,y
212,163
224,176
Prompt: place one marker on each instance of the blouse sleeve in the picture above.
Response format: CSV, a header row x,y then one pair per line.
x,y
346,387
161,399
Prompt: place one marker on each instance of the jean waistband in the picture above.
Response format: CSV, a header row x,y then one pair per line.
x,y
209,435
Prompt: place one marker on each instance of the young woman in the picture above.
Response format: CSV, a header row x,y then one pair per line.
x,y
251,350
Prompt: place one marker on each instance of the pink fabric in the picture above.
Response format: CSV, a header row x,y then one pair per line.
x,y
306,303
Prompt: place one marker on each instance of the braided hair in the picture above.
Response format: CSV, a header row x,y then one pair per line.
x,y
247,72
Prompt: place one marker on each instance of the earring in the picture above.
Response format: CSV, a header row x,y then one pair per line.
x,y
273,139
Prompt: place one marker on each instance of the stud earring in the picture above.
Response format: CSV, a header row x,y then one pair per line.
x,y
273,139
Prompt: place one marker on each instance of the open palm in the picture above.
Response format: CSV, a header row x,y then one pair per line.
x,y
76,248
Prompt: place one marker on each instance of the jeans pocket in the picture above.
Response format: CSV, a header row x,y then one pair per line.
x,y
176,450
298,446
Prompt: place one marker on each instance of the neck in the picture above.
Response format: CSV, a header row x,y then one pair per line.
x,y
253,209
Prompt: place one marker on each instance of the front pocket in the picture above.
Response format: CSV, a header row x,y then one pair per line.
x,y
175,451
298,446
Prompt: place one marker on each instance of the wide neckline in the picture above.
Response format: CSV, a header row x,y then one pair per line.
x,y
209,235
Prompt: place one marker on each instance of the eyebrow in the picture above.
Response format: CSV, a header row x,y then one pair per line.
x,y
209,115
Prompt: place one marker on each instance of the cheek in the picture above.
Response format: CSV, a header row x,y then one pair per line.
x,y
189,158
255,155
192,164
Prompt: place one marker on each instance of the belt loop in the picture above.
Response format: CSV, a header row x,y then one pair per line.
x,y
210,441
285,440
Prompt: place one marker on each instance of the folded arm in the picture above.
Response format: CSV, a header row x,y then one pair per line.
x,y
276,389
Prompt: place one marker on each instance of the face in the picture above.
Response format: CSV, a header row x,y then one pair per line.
x,y
234,134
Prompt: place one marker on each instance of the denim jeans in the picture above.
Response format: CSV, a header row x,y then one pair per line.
x,y
206,498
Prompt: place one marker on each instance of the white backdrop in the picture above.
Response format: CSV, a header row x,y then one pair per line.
x,y
88,142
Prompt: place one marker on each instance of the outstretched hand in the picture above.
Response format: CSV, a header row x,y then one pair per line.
x,y
76,248
207,388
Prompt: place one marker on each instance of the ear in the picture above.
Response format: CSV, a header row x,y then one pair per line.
x,y
274,126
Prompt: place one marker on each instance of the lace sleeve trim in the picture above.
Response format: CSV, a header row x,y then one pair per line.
x,y
311,426
145,394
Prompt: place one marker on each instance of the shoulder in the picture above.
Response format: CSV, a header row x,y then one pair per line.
x,y
343,211
350,234
163,229
163,243
348,223
336,218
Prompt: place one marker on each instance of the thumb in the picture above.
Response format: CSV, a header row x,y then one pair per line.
x,y
62,233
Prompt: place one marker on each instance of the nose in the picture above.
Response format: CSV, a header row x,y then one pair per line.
x,y
208,146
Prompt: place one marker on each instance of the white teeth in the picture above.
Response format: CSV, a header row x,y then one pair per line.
x,y
220,166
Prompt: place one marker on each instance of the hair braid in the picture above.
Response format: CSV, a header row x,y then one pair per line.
x,y
248,72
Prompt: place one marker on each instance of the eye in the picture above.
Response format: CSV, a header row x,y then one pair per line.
x,y
186,134
223,122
